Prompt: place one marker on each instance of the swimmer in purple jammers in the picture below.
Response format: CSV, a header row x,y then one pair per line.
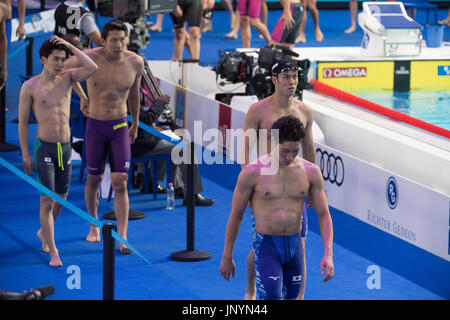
x,y
114,86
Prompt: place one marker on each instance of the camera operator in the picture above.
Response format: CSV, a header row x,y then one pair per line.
x,y
72,17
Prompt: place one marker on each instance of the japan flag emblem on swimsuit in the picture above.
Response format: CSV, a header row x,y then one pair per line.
x,y
296,278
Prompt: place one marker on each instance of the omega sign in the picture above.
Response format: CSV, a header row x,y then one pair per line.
x,y
357,72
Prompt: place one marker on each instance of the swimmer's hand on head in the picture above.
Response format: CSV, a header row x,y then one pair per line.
x,y
57,40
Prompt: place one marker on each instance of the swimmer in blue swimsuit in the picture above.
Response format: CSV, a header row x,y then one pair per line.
x,y
260,117
277,199
287,251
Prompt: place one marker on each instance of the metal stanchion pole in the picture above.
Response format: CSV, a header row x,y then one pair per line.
x,y
190,254
29,55
4,146
109,245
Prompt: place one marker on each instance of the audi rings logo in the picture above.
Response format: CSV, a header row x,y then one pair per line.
x,y
332,166
392,192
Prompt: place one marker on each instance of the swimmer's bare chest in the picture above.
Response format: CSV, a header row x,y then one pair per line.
x,y
108,89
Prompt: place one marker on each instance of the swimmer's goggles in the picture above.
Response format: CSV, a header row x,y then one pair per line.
x,y
286,75
286,70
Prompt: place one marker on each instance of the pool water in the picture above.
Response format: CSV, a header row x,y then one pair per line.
x,y
432,107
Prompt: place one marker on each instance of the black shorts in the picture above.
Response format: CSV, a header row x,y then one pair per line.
x,y
53,165
192,13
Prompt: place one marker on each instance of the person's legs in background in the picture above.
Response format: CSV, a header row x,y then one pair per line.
x,y
157,27
353,5
311,6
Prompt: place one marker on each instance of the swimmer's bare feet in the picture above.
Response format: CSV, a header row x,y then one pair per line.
x,y
351,29
231,35
156,28
300,39
55,261
43,242
124,250
94,234
207,28
319,35
444,22
250,296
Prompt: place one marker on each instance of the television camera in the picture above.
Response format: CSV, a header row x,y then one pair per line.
x,y
256,72
133,12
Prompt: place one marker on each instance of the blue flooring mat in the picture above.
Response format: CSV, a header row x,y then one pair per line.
x,y
406,272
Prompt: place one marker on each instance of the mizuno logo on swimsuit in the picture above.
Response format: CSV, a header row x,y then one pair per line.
x,y
332,166
274,278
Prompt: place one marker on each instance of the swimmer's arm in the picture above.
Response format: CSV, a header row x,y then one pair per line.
x,y
241,195
84,100
89,27
21,7
251,123
320,203
72,63
96,38
288,19
308,150
87,66
3,52
25,103
134,99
